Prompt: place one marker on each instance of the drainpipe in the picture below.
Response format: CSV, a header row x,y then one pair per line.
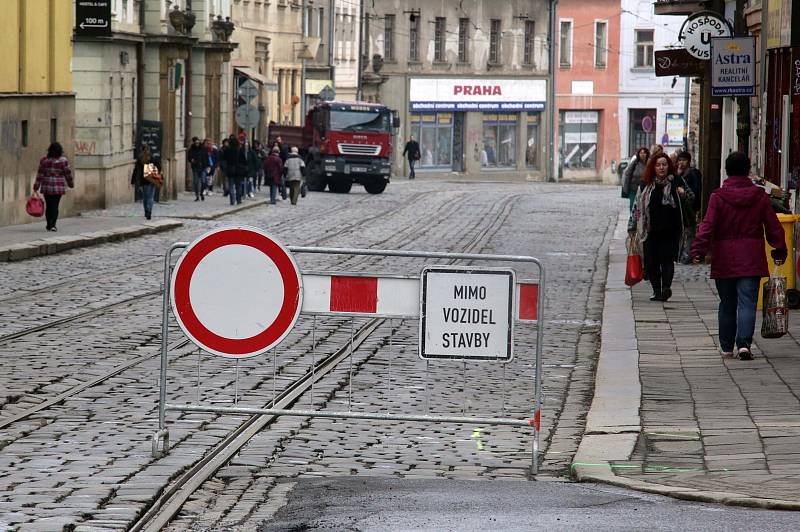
x,y
303,23
553,160
331,40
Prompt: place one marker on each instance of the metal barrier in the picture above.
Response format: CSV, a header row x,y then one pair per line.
x,y
357,295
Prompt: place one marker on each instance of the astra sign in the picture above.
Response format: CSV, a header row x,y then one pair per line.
x,y
477,94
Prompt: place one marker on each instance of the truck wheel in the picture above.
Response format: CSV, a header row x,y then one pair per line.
x,y
340,187
375,187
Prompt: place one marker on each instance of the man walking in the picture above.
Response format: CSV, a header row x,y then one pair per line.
x,y
694,180
198,160
412,152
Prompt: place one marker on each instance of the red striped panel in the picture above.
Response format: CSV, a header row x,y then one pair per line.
x,y
354,294
528,301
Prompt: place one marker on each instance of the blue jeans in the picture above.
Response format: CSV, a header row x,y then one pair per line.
x,y
737,311
411,163
273,193
148,198
198,182
236,186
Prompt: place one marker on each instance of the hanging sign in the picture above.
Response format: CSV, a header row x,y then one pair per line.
x,y
698,30
733,66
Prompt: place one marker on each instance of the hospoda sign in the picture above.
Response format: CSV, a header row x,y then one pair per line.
x,y
698,30
476,94
733,66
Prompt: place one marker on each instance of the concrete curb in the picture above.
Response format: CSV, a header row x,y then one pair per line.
x,y
613,424
219,214
57,244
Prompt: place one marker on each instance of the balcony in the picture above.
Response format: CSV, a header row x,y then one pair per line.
x,y
678,7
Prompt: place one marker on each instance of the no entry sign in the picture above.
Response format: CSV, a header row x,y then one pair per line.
x,y
467,313
236,292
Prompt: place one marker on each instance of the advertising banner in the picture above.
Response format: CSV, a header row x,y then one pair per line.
x,y
733,66
471,94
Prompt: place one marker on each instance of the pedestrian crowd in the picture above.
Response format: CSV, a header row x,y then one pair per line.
x,y
665,204
240,167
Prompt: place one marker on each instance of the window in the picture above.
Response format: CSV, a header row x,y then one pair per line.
x,y
463,40
644,48
439,39
600,44
434,131
578,132
499,141
565,45
53,130
530,32
321,22
641,128
24,126
413,38
532,147
388,37
494,42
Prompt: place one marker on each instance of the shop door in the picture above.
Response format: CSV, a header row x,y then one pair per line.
x,y
641,129
458,142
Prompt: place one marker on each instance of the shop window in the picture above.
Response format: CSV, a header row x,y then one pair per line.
x,y
434,132
532,145
578,139
499,141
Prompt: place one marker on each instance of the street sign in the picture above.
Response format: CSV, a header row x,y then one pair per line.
x,y
467,313
247,116
678,62
150,132
733,66
327,93
93,17
698,30
248,90
221,314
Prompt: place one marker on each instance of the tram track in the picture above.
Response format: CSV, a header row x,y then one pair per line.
x,y
73,391
171,500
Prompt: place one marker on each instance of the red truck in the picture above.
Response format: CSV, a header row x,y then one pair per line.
x,y
343,143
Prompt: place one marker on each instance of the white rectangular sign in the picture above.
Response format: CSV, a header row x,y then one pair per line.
x,y
733,66
476,94
467,313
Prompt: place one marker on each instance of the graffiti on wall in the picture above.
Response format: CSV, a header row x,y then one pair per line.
x,y
85,147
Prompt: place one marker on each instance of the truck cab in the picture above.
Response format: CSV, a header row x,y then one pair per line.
x,y
349,142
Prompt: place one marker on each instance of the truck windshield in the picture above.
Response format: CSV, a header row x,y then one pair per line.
x,y
377,120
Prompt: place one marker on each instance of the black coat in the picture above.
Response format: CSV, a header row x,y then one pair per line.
x,y
412,150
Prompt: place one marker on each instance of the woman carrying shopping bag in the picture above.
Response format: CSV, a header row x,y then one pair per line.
x,y
739,215
52,179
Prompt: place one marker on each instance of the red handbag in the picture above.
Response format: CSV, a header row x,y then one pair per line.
x,y
35,205
634,272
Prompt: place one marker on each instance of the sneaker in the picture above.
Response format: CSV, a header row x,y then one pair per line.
x,y
656,297
252,195
728,354
197,199
745,354
666,294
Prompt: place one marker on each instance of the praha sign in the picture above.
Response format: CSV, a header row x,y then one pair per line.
x,y
698,30
733,66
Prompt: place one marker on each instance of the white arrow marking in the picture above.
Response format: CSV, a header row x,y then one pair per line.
x,y
83,25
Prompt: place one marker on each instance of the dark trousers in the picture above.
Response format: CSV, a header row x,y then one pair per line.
x,y
51,202
294,191
738,297
411,163
236,189
659,256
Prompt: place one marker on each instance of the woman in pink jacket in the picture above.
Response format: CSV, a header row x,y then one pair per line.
x,y
739,215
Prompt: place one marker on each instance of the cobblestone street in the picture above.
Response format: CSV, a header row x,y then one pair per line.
x,y
72,319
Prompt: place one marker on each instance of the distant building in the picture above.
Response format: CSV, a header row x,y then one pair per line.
x,y
469,80
587,87
37,105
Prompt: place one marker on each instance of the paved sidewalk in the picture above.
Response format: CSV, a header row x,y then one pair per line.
x,y
710,429
20,242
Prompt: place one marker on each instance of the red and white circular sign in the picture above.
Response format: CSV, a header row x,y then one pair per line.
x,y
236,292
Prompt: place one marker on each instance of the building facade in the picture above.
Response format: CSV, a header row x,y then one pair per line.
x,y
37,105
469,80
161,69
587,89
651,109
271,50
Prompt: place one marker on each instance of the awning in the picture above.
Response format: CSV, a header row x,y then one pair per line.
x,y
252,74
314,86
